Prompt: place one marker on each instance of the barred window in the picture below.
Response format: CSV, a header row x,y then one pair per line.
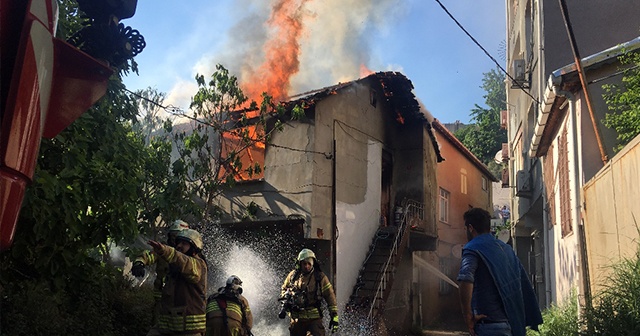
x,y
550,185
564,187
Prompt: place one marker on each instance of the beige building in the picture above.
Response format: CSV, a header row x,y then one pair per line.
x,y
556,141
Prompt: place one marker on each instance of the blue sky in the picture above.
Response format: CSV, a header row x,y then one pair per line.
x,y
415,37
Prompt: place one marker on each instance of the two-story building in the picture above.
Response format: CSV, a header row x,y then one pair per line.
x,y
463,182
354,171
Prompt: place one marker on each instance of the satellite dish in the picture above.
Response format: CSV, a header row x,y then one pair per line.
x,y
504,236
498,157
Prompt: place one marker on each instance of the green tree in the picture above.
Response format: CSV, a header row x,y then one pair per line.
x,y
85,190
163,193
484,137
88,193
214,150
150,122
624,102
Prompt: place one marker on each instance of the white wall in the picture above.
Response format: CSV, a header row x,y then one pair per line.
x,y
357,224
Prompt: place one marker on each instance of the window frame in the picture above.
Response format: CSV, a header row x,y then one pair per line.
x,y
444,198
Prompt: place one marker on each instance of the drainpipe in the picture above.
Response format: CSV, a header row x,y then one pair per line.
x,y
334,217
583,80
582,244
548,248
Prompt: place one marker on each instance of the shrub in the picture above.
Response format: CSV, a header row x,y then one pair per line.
x,y
617,308
107,305
560,320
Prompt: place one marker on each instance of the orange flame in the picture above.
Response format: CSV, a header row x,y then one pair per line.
x,y
282,51
364,71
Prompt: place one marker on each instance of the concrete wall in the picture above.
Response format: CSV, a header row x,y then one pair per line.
x,y
611,213
288,180
357,223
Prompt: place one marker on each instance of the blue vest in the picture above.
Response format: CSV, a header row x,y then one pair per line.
x,y
517,294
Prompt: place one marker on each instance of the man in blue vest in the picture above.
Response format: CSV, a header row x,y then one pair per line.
x,y
496,295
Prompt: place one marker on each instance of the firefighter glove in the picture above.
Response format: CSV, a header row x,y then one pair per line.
x,y
333,325
137,269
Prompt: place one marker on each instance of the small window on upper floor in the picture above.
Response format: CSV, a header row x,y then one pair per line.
x,y
463,181
485,184
373,98
444,206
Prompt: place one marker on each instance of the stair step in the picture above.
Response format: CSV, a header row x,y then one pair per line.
x,y
378,258
369,276
365,293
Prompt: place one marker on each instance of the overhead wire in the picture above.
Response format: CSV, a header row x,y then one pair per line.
x,y
513,80
171,109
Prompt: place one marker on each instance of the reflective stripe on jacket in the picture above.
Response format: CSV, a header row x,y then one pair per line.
x,y
183,296
308,284
149,258
236,308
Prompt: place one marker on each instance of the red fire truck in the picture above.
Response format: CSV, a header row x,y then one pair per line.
x,y
46,83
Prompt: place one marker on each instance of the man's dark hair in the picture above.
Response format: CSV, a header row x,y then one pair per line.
x,y
479,218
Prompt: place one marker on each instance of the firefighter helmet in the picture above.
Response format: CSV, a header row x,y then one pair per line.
x,y
234,283
306,253
178,225
191,236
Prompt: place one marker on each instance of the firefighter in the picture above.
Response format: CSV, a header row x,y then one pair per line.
x,y
162,268
306,286
183,302
228,312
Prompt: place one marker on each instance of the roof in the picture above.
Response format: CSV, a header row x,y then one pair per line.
x,y
462,149
397,89
567,79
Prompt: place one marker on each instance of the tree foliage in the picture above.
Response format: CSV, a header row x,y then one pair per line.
x,y
484,137
223,135
624,102
85,193
163,194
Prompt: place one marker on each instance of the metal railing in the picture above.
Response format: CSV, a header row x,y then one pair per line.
x,y
410,209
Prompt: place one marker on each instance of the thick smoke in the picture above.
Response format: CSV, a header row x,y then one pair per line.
x,y
291,46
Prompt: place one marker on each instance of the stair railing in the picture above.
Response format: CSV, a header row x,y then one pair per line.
x,y
414,209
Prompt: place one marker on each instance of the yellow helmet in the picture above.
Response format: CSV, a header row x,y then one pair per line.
x,y
192,236
306,253
178,225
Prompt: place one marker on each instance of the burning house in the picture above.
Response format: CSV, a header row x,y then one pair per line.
x,y
355,180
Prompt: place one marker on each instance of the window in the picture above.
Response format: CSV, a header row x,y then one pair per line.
x,y
463,181
444,206
564,187
550,185
485,184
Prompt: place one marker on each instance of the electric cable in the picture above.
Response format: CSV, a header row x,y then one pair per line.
x,y
487,53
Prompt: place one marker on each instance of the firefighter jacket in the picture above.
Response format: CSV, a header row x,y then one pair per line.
x,y
162,268
228,314
312,288
183,301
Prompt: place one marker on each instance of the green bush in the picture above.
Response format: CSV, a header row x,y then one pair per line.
x,y
617,308
108,306
560,320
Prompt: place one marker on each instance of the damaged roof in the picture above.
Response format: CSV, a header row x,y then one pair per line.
x,y
397,89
